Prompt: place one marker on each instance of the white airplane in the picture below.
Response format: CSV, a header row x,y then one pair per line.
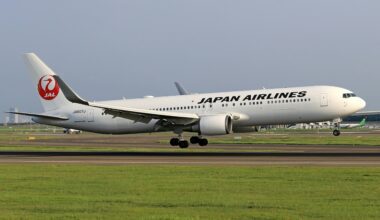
x,y
205,114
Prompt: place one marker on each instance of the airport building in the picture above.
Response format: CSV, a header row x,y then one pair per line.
x,y
370,118
373,120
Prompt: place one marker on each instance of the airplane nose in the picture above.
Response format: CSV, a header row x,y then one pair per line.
x,y
361,104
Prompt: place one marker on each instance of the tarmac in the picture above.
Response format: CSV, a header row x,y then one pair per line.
x,y
221,154
176,158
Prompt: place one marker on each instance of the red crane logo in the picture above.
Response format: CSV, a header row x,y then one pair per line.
x,y
48,87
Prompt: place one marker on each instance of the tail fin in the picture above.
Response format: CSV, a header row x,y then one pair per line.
x,y
363,122
47,86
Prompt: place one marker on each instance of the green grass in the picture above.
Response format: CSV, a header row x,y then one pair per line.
x,y
180,192
297,139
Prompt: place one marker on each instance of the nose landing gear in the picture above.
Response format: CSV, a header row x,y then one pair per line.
x,y
336,131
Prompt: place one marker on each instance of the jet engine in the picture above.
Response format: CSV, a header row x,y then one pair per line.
x,y
214,125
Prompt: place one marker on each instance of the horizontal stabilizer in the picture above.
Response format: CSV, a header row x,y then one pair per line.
x,y
53,117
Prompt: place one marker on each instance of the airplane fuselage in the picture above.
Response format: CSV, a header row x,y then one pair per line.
x,y
247,108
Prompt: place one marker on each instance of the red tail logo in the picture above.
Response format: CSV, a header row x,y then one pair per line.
x,y
48,87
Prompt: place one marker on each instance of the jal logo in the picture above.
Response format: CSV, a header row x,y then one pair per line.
x,y
48,87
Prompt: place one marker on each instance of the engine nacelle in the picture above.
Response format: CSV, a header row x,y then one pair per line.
x,y
214,125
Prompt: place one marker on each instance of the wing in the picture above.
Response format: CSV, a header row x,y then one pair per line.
x,y
138,115
143,115
47,116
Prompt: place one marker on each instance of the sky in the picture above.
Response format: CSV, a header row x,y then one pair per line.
x,y
113,49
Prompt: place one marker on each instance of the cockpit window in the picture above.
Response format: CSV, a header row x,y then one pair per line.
x,y
348,95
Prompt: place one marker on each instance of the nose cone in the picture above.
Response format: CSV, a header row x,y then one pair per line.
x,y
360,104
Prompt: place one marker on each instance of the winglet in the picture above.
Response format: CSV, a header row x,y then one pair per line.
x,y
69,93
181,89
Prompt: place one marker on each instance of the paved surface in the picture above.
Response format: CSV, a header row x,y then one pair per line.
x,y
160,153
175,158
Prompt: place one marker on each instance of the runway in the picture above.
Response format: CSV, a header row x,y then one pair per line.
x,y
146,149
194,158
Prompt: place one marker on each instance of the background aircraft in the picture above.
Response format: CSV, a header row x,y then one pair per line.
x,y
354,125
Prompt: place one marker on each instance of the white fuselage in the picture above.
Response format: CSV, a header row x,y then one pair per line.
x,y
247,108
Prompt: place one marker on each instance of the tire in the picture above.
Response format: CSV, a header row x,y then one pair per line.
x,y
194,140
183,144
336,132
203,142
174,142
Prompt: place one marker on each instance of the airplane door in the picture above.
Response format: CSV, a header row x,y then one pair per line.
x,y
90,115
324,100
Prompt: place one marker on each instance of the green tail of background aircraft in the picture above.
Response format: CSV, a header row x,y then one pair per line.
x,y
362,123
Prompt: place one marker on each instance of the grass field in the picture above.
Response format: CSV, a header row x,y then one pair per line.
x,y
304,139
20,142
33,138
47,191
179,192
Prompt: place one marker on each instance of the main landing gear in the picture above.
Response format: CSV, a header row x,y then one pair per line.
x,y
198,140
179,142
182,143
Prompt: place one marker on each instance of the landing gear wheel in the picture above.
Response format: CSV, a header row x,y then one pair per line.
x,y
183,144
174,141
203,142
194,140
336,132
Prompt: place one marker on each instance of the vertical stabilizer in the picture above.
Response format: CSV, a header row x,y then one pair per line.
x,y
363,122
46,86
